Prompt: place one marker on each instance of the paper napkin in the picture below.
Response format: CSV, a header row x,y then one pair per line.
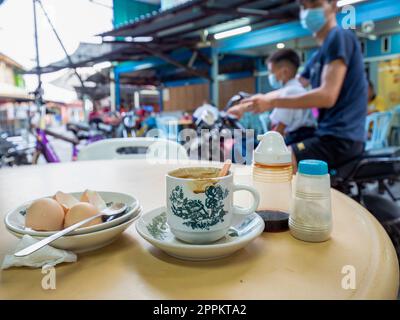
x,y
46,256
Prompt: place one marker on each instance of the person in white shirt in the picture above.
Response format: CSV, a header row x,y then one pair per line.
x,y
294,124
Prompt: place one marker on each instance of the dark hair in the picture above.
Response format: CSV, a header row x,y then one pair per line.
x,y
372,87
285,55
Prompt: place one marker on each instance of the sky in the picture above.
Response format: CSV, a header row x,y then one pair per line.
x,y
75,21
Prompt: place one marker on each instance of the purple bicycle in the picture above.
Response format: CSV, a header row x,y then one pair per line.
x,y
81,133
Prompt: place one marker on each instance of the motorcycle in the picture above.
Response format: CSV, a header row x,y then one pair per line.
x,y
14,151
109,124
129,124
379,167
220,136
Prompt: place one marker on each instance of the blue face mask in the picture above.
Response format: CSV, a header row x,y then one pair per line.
x,y
274,82
313,19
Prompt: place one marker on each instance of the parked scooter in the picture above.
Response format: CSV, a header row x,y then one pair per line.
x,y
376,167
14,151
129,124
109,124
219,136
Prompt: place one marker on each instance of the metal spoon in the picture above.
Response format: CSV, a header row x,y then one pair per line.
x,y
239,232
109,211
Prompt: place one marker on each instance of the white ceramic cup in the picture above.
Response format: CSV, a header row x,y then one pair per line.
x,y
200,205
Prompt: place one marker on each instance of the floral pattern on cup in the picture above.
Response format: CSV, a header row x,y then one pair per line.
x,y
195,213
158,227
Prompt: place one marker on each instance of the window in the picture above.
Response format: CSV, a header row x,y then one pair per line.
x,y
386,44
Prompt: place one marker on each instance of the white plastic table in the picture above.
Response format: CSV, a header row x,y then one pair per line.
x,y
274,266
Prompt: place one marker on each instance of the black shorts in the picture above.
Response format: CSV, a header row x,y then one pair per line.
x,y
299,135
333,150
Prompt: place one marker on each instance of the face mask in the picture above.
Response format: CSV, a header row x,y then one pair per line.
x,y
313,19
274,82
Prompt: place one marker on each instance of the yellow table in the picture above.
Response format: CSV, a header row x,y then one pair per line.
x,y
274,266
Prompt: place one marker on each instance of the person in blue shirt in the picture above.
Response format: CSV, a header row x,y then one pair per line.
x,y
339,89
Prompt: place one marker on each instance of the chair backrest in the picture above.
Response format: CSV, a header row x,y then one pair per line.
x,y
377,127
133,148
394,136
168,126
396,116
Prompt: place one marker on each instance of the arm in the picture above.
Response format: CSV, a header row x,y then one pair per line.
x,y
324,96
246,104
304,82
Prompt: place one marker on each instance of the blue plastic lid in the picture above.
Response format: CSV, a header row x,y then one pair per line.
x,y
313,167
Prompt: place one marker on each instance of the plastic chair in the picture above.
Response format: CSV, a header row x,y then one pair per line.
x,y
168,126
133,148
394,137
380,124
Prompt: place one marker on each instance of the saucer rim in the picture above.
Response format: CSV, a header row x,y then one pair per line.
x,y
214,245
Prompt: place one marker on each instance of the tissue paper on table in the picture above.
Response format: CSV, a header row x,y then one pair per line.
x,y
46,256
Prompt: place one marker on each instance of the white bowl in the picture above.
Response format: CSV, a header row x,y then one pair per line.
x,y
153,227
89,241
15,219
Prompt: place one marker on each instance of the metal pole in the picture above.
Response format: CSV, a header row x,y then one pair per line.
x,y
117,91
112,90
259,67
161,98
214,77
71,65
38,91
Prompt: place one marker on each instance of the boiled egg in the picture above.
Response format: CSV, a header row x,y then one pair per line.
x,y
79,212
45,214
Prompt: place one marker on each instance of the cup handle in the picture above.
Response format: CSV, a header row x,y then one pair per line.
x,y
256,197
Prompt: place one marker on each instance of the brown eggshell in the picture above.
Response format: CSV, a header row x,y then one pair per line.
x,y
94,198
79,212
65,200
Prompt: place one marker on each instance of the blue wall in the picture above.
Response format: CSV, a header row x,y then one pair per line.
x,y
374,48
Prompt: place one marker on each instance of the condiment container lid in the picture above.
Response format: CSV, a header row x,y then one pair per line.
x,y
275,221
272,149
313,167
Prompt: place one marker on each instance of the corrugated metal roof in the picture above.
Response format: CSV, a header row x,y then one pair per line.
x,y
200,14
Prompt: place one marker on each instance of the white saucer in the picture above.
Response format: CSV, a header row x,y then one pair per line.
x,y
15,219
153,227
88,241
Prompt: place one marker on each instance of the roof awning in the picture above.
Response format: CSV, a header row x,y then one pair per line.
x,y
188,19
88,54
190,26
